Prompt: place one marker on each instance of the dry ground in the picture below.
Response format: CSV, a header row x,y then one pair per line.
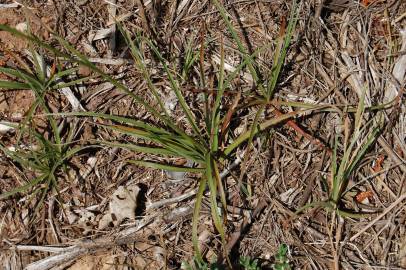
x,y
338,48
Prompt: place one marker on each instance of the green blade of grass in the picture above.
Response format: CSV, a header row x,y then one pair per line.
x,y
166,167
281,55
222,192
66,72
187,140
335,186
190,58
168,142
24,188
19,158
266,124
360,154
137,148
69,154
23,126
196,215
39,91
22,76
215,118
339,179
13,85
39,64
243,64
212,183
71,83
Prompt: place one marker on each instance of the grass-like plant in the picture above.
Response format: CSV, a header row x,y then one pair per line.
x,y
45,156
363,136
281,259
355,147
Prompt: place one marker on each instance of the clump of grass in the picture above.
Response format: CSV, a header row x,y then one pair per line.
x,y
281,259
363,134
44,155
355,147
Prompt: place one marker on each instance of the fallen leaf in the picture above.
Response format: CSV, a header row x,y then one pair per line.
x,y
122,206
363,195
378,164
366,3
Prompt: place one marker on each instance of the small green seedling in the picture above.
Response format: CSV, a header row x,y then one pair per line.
x,y
196,264
281,259
249,264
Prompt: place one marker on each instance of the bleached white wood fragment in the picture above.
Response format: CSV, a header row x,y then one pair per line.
x,y
398,72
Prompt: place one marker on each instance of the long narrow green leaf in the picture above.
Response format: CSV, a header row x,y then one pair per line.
x,y
215,118
360,111
14,156
160,166
266,124
13,85
241,66
24,125
196,215
336,183
165,141
345,161
136,123
71,83
39,64
282,54
24,188
212,183
39,91
22,76
217,176
137,148
67,155
190,57
360,154
142,130
66,72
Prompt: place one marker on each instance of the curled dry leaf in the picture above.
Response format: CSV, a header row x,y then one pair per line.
x,y
377,167
122,206
363,196
99,262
